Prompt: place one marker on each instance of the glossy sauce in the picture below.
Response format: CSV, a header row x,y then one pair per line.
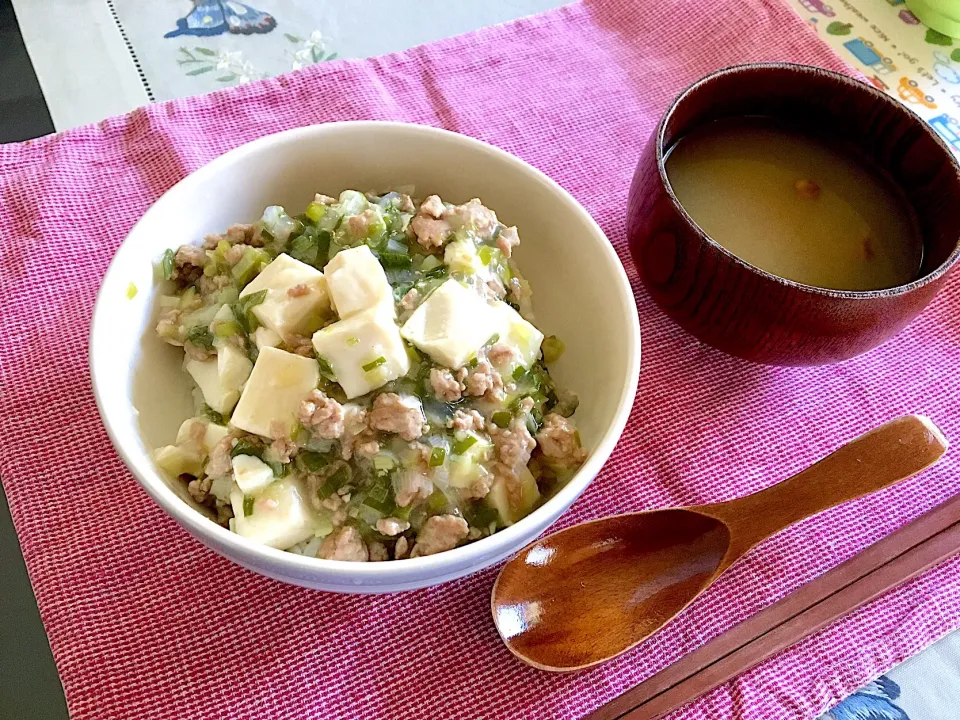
x,y
795,206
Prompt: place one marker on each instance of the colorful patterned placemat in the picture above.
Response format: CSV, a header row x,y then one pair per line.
x,y
897,53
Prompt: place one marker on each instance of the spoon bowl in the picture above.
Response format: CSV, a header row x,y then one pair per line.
x,y
586,594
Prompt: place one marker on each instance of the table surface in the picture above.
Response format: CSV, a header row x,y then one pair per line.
x,y
117,47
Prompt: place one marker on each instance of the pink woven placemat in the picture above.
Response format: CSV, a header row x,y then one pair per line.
x,y
146,623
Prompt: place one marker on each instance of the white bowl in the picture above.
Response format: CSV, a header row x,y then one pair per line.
x,y
581,294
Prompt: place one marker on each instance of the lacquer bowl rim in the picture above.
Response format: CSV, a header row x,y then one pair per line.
x,y
794,70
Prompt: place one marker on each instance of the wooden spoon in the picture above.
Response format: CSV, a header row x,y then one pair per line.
x,y
584,595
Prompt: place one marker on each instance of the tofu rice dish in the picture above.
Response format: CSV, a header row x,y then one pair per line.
x,y
369,383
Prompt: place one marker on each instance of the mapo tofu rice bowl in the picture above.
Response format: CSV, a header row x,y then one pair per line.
x,y
369,380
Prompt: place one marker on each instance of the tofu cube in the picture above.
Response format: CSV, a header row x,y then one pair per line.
x,y
221,378
519,335
265,337
452,324
280,516
251,474
297,301
176,461
212,434
364,351
356,282
273,393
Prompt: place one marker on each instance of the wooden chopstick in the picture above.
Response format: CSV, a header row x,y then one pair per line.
x,y
902,555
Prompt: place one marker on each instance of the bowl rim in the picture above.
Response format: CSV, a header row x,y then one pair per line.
x,y
854,86
466,557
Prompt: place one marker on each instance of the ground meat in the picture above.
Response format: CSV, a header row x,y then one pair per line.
x,y
480,486
508,240
219,463
378,551
500,354
283,449
473,214
485,381
430,233
526,405
322,415
432,207
410,300
168,326
357,437
235,234
195,352
344,543
492,289
401,549
440,533
235,253
332,503
188,263
224,513
298,290
405,204
212,284
393,413
199,489
467,420
522,295
412,485
514,445
391,526
446,386
300,345
359,225
558,441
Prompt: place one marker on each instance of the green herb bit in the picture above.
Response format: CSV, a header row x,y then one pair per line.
x,y
279,469
248,505
501,419
380,496
437,501
326,369
312,461
315,211
519,372
437,456
167,264
486,254
212,415
243,310
396,253
374,364
461,446
201,337
246,447
552,348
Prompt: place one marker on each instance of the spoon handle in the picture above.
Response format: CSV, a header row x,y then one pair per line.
x,y
892,452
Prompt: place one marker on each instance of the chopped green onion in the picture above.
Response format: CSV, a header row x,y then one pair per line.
x,y
131,291
188,298
201,337
249,265
243,310
519,372
353,341
226,328
374,364
167,264
383,462
279,469
437,456
396,253
313,461
326,369
336,481
248,505
380,496
437,501
245,447
315,211
552,348
212,415
493,339
486,254
501,419
461,446
437,272
228,296
430,262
